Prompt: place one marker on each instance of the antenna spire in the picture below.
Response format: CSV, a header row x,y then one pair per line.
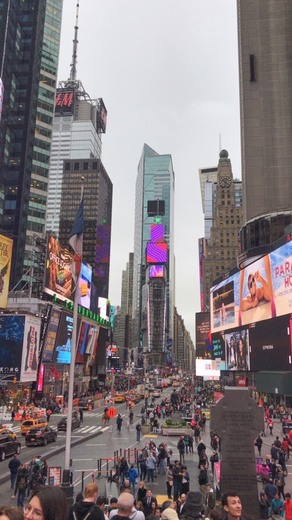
x,y
73,71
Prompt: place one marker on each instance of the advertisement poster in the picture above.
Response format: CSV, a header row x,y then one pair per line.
x,y
58,273
6,245
50,340
11,343
203,336
85,282
55,475
64,339
261,291
30,351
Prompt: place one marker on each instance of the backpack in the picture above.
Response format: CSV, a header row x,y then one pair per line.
x,y
22,484
87,514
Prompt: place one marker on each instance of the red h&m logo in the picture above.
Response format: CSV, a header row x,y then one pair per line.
x,y
64,99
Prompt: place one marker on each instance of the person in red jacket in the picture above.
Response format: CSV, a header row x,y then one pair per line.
x,y
288,506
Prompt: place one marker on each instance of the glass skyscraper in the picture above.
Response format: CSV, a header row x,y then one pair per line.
x,y
155,181
29,40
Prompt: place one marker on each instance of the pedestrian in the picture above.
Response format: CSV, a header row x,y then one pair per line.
x,y
193,507
44,471
150,466
12,415
87,507
210,499
10,513
131,416
119,422
181,449
49,413
138,432
133,475
185,480
264,506
177,479
270,426
46,503
277,505
287,505
21,485
232,507
169,480
81,415
13,466
258,443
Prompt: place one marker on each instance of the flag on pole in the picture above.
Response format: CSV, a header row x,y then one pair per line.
x,y
76,239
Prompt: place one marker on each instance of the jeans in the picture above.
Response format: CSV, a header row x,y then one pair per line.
x,y
150,474
13,479
176,489
20,497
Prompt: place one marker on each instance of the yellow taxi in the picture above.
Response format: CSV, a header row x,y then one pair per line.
x,y
10,433
29,424
119,398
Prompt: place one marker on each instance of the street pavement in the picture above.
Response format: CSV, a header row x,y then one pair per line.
x,y
92,443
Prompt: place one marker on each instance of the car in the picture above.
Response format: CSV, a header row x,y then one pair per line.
x,y
119,398
29,424
86,403
40,436
62,424
8,447
10,433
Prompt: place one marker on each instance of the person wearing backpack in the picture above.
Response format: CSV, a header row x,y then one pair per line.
x,y
21,485
87,509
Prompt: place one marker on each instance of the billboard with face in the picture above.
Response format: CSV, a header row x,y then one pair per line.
x,y
6,245
58,273
261,291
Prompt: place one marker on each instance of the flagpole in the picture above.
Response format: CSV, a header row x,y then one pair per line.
x,y
66,472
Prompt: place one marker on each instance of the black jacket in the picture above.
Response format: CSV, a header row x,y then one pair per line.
x,y
82,508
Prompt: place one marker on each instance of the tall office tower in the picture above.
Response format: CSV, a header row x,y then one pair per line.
x,y
78,124
155,181
218,249
123,320
183,352
98,191
29,41
265,68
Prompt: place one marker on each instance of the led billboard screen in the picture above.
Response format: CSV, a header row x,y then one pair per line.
x,y
85,283
11,344
207,368
64,339
49,345
58,273
156,253
30,351
260,291
6,245
156,271
157,232
203,336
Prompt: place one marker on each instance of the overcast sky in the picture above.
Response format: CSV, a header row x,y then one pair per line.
x,y
167,71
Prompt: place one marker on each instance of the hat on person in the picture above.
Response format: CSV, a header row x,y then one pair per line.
x,y
169,514
194,502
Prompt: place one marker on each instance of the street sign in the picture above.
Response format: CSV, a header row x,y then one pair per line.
x,y
112,412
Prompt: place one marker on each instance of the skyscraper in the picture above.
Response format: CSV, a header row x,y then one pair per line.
x,y
265,68
29,40
79,122
155,181
218,250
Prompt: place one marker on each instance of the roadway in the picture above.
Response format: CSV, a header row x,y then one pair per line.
x,y
91,442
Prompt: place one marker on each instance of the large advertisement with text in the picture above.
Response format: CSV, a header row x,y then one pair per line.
x,y
30,351
261,291
6,245
58,273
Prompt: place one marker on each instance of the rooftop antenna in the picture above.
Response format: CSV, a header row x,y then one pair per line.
x,y
220,147
73,71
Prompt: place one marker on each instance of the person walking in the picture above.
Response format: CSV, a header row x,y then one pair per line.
x,y
138,432
133,475
21,484
81,415
169,480
119,422
13,466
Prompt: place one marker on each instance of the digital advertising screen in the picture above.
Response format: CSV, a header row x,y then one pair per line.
x,y
260,291
204,347
6,245
49,344
156,253
64,339
237,350
84,343
58,272
207,368
30,351
85,282
11,344
157,232
270,344
156,271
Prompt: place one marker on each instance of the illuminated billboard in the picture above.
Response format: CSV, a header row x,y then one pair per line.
x,y
58,272
11,344
30,351
203,336
64,339
101,116
5,267
85,283
50,340
64,101
156,271
260,291
157,232
207,368
156,253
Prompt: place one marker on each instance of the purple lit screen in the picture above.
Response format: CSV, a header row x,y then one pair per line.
x,y
156,253
157,232
156,271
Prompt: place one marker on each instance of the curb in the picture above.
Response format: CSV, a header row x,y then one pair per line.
x,y
47,455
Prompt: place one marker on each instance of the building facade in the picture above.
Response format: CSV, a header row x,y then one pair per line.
x,y
265,68
183,352
218,250
98,191
155,181
122,332
30,40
